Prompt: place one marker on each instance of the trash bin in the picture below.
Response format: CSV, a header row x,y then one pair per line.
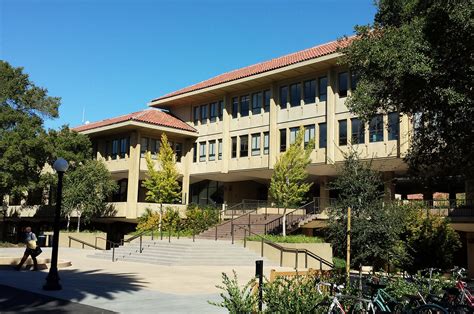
x,y
42,240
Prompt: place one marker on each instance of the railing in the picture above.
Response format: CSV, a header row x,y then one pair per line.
x,y
84,243
292,217
232,210
283,250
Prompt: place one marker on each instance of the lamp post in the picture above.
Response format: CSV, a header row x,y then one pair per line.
x,y
52,280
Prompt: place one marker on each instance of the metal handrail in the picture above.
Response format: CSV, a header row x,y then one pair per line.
x,y
83,243
289,214
283,249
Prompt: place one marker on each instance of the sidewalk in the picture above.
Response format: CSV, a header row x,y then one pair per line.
x,y
128,287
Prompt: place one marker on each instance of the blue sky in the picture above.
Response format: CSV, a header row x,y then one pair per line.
x,y
112,57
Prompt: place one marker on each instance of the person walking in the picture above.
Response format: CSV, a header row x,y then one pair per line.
x,y
30,241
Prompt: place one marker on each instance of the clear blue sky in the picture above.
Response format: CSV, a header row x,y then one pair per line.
x,y
112,57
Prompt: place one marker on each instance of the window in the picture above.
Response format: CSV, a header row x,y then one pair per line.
x,y
323,140
282,140
283,97
309,133
257,103
202,151
376,129
266,101
357,131
342,79
195,152
115,148
204,114
213,112
219,149
234,147
144,146
266,143
309,91
323,88
342,132
393,126
178,151
221,109
293,133
244,105
295,95
196,115
354,80
154,147
124,147
244,146
212,150
235,107
256,144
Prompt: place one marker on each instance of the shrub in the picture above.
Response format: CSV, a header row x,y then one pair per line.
x,y
288,239
200,219
236,299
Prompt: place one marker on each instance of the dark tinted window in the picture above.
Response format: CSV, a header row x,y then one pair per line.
x,y
354,80
342,132
244,105
309,90
213,111
257,103
196,114
357,131
204,114
322,135
376,129
393,126
283,97
234,147
266,143
195,152
235,107
323,88
282,140
343,84
295,95
244,146
266,100
221,109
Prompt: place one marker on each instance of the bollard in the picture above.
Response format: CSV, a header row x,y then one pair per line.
x,y
113,253
305,259
193,234
259,275
169,235
245,238
296,260
69,242
140,244
261,249
178,230
161,232
216,232
281,258
232,233
152,229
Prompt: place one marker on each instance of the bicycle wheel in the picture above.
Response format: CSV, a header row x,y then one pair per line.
x,y
359,307
430,309
459,309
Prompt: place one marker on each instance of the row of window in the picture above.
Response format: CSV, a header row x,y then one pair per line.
x,y
255,142
152,145
210,153
213,110
376,127
119,147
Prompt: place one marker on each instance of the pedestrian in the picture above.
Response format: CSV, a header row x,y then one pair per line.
x,y
31,249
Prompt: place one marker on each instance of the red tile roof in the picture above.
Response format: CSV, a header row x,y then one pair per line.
x,y
151,116
296,57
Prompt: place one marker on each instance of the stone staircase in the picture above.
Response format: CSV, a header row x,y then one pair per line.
x,y
184,252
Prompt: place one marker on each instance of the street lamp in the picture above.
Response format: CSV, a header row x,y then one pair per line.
x,y
52,280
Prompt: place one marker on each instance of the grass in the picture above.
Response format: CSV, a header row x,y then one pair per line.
x,y
288,239
156,233
339,262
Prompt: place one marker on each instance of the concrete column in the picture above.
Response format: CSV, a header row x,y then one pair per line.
x,y
404,136
227,116
186,161
389,186
323,192
274,132
133,175
331,116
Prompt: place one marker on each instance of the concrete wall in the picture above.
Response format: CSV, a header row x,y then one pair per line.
x,y
323,250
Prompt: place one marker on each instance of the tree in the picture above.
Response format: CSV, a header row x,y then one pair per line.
x,y
162,185
375,226
416,59
288,186
75,147
23,141
86,190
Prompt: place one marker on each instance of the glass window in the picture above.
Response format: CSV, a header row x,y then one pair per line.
x,y
115,148
323,139
342,80
234,147
202,151
143,146
309,90
244,105
293,133
212,150
154,147
357,131
178,151
221,109
295,95
376,129
323,88
266,143
244,146
282,140
213,111
309,133
196,114
219,149
256,144
393,126
124,147
342,132
195,152
235,107
266,101
257,103
204,114
354,80
283,97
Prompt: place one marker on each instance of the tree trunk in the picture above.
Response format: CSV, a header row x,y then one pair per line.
x,y
284,223
78,222
161,217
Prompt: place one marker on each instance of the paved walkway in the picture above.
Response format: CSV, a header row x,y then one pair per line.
x,y
127,287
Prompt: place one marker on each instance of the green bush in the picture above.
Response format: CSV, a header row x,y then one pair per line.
x,y
339,263
236,299
288,239
200,219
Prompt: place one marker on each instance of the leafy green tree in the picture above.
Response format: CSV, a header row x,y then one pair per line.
x,y
288,185
375,226
23,141
416,59
86,190
75,147
162,185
